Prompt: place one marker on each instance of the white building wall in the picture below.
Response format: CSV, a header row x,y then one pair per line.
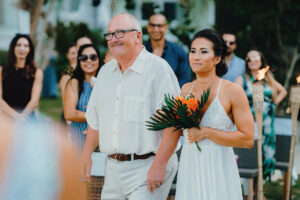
x,y
13,20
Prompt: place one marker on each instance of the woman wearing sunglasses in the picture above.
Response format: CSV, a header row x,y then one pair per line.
x,y
274,93
76,97
78,91
20,80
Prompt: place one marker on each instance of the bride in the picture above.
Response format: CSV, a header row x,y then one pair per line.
x,y
212,174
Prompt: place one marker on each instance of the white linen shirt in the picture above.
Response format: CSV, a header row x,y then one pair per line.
x,y
120,104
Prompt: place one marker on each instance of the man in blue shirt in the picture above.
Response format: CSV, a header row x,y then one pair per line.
x,y
236,65
172,53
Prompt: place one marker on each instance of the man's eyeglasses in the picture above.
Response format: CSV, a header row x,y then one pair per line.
x,y
117,34
84,57
156,25
229,42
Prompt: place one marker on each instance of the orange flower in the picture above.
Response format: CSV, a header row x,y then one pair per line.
x,y
192,104
182,99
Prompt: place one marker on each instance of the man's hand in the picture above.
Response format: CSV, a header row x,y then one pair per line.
x,y
86,166
156,177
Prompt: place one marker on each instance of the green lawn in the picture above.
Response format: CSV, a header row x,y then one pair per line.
x,y
51,108
274,190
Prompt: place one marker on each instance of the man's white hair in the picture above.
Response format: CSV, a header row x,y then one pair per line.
x,y
134,21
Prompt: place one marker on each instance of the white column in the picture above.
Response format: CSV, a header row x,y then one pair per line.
x,y
104,14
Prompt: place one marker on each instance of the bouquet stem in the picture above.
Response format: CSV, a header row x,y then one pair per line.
x,y
198,146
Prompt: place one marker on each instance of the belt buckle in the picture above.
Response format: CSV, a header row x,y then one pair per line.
x,y
119,157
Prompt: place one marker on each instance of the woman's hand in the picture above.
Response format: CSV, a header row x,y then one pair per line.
x,y
195,134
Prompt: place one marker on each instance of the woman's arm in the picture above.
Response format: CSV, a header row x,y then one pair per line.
x,y
4,107
35,93
70,103
281,91
239,81
62,84
244,136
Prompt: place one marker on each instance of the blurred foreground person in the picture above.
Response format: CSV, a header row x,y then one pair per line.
x,y
37,162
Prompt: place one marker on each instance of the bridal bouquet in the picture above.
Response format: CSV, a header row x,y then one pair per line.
x,y
179,112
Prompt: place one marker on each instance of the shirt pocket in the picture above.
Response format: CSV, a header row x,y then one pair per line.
x,y
134,109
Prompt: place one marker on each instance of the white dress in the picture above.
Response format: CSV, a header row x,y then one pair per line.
x,y
211,174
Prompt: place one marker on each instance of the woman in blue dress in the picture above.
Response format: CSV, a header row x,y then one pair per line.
x,y
78,91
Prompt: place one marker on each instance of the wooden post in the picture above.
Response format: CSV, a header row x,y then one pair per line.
x,y
295,102
258,100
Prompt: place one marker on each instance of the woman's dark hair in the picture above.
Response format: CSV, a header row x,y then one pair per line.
x,y
10,65
219,47
78,73
263,60
70,46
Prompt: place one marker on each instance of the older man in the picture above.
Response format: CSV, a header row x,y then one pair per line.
x,y
129,89
172,53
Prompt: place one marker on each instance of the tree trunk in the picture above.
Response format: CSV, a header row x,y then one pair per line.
x,y
291,66
43,52
34,19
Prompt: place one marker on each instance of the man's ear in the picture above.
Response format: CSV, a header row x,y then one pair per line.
x,y
138,37
167,27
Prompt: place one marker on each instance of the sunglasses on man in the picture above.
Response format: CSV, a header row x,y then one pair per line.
x,y
229,42
84,57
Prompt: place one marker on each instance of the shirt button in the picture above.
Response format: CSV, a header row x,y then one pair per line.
x,y
116,115
117,98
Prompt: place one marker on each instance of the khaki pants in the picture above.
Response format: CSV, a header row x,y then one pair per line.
x,y
128,180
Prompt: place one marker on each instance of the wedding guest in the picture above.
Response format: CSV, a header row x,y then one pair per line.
x,y
20,79
37,162
72,57
171,52
141,164
77,94
236,65
78,91
213,173
274,93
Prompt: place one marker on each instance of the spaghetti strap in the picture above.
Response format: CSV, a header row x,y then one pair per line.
x,y
219,87
191,89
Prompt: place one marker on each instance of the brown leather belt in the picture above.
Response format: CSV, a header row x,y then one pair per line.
x,y
127,157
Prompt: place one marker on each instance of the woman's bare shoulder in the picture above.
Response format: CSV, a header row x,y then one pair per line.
x,y
186,88
233,90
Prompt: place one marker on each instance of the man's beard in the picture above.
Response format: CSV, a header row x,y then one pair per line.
x,y
228,52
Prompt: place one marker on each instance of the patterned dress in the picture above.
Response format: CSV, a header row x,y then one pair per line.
x,y
77,137
268,134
